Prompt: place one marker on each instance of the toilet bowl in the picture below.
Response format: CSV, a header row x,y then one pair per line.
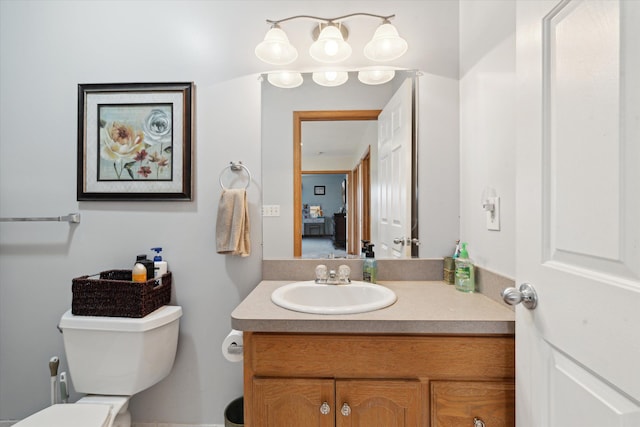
x,y
111,359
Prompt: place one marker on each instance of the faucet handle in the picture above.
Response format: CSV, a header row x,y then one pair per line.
x,y
343,273
321,273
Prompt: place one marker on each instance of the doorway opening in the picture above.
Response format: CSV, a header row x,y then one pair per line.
x,y
324,207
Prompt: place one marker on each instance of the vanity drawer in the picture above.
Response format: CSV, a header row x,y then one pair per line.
x,y
380,356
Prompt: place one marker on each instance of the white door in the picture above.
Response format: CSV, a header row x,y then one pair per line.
x,y
578,213
394,172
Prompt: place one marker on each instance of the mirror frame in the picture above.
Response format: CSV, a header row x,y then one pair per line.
x,y
298,118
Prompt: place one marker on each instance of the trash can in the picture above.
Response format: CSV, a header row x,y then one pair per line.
x,y
234,413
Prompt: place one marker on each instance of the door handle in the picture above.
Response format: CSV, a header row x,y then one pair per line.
x,y
525,295
408,241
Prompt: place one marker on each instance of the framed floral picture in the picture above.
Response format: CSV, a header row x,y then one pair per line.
x,y
134,141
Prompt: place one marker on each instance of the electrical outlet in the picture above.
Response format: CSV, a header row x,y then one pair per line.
x,y
270,210
493,218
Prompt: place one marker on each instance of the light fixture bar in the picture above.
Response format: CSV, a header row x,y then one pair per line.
x,y
328,20
330,45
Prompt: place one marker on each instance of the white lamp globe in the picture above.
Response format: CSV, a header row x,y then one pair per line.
x,y
275,49
330,46
386,44
285,79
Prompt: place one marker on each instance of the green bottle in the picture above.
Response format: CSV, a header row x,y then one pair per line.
x,y
465,277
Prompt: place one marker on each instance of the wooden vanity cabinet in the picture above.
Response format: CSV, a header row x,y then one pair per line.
x,y
384,380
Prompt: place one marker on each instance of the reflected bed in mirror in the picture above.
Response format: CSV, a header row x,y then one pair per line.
x,y
316,133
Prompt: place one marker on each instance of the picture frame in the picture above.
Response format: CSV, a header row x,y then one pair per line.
x,y
318,190
134,141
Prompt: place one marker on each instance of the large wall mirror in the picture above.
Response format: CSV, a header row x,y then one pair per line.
x,y
321,165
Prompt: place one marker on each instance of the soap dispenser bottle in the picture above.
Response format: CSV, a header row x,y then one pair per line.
x,y
370,267
464,275
160,267
363,250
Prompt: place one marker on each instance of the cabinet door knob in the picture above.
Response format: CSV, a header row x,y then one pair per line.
x,y
345,410
325,408
477,422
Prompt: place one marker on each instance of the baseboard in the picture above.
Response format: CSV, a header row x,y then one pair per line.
x,y
10,423
168,425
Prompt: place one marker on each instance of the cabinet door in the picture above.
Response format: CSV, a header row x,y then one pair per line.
x,y
289,402
458,403
371,403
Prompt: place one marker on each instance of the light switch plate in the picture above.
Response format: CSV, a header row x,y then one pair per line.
x,y
270,210
493,219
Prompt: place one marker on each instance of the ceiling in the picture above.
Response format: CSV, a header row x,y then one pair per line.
x,y
333,138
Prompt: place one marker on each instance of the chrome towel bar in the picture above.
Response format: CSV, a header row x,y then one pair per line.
x,y
71,218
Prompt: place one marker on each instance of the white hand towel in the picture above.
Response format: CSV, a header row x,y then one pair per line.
x,y
232,225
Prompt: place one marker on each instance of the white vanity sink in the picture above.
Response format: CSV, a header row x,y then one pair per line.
x,y
311,297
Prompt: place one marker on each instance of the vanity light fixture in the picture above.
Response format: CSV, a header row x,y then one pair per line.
x,y
285,79
375,75
330,78
330,44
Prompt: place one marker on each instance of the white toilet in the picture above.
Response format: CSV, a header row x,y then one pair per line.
x,y
111,359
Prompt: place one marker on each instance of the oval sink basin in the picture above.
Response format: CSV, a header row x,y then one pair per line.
x,y
311,297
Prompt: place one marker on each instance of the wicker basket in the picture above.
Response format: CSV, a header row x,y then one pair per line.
x,y
113,294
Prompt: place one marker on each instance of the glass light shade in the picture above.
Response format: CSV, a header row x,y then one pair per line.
x,y
285,79
375,76
330,78
386,44
275,48
330,46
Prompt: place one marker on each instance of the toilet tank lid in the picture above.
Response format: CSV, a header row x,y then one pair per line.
x,y
160,317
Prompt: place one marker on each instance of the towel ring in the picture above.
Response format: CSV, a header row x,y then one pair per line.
x,y
235,167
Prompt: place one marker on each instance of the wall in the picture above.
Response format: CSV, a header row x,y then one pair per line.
x,y
331,201
46,49
488,129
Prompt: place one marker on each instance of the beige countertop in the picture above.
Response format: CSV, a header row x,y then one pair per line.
x,y
422,307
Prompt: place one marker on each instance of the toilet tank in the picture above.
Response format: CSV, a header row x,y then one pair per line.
x,y
120,355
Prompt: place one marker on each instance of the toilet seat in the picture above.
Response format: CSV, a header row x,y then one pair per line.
x,y
70,415
89,411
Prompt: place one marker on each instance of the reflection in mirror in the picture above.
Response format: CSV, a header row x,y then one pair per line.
x,y
325,143
348,155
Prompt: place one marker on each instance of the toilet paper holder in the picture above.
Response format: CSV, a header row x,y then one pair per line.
x,y
234,348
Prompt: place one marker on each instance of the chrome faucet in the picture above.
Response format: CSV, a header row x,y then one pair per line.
x,y
331,277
